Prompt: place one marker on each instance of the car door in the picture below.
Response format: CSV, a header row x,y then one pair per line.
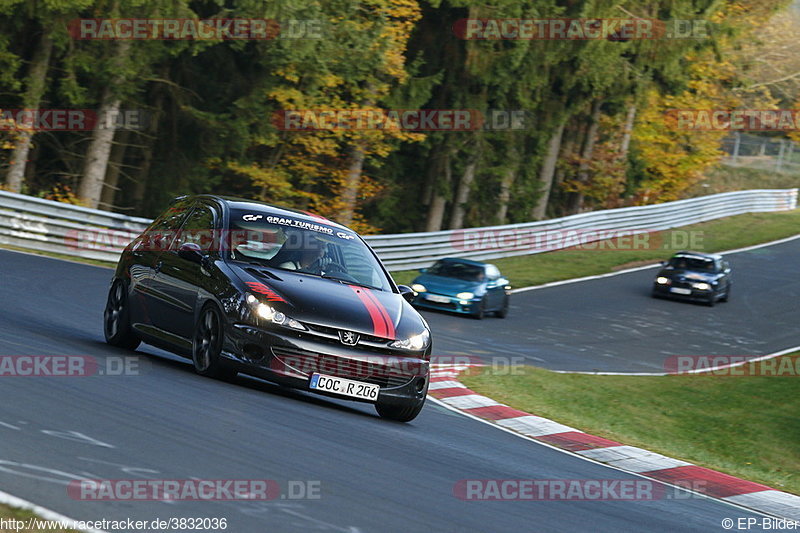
x,y
145,251
179,280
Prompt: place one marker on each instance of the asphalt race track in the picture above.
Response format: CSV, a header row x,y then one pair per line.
x,y
613,325
374,475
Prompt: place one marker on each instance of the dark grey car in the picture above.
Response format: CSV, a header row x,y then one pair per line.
x,y
694,276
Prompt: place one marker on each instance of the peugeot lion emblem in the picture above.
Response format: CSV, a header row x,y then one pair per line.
x,y
348,337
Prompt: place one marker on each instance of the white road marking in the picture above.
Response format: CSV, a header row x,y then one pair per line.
x,y
695,371
774,501
632,459
534,426
435,385
469,401
76,436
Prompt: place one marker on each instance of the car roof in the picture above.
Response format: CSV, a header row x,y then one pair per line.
x,y
244,204
465,261
697,255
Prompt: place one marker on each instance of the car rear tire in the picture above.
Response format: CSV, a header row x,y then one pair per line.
x,y
503,312
116,319
207,345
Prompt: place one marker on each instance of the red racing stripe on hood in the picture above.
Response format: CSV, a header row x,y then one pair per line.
x,y
378,320
390,333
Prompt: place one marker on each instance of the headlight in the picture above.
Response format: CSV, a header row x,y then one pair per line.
x,y
270,314
465,296
701,286
661,280
419,288
415,343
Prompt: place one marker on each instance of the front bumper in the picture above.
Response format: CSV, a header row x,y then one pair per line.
x,y
452,303
698,295
290,358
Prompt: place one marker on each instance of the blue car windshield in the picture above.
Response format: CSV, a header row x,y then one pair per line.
x,y
462,271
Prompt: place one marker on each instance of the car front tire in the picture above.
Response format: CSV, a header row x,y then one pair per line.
x,y
116,319
712,299
727,294
207,345
480,310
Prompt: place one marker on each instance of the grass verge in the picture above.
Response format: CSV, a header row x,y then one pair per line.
x,y
714,236
12,513
744,426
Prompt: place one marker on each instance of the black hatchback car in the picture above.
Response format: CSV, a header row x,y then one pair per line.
x,y
694,276
294,298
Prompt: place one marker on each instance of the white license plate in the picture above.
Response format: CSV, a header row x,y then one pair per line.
x,y
678,290
438,299
344,387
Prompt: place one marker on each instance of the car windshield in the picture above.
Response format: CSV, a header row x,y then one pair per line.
x,y
313,248
683,262
463,271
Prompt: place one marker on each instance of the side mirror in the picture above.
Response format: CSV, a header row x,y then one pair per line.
x,y
407,292
423,270
191,252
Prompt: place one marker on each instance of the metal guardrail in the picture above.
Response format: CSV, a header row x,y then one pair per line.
x,y
44,225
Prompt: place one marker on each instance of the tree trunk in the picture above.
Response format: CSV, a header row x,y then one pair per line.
x,y
440,178
625,143
37,81
569,146
96,162
150,139
352,183
462,195
505,194
116,159
576,199
548,171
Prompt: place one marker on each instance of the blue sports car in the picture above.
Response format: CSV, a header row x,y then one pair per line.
x,y
462,286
